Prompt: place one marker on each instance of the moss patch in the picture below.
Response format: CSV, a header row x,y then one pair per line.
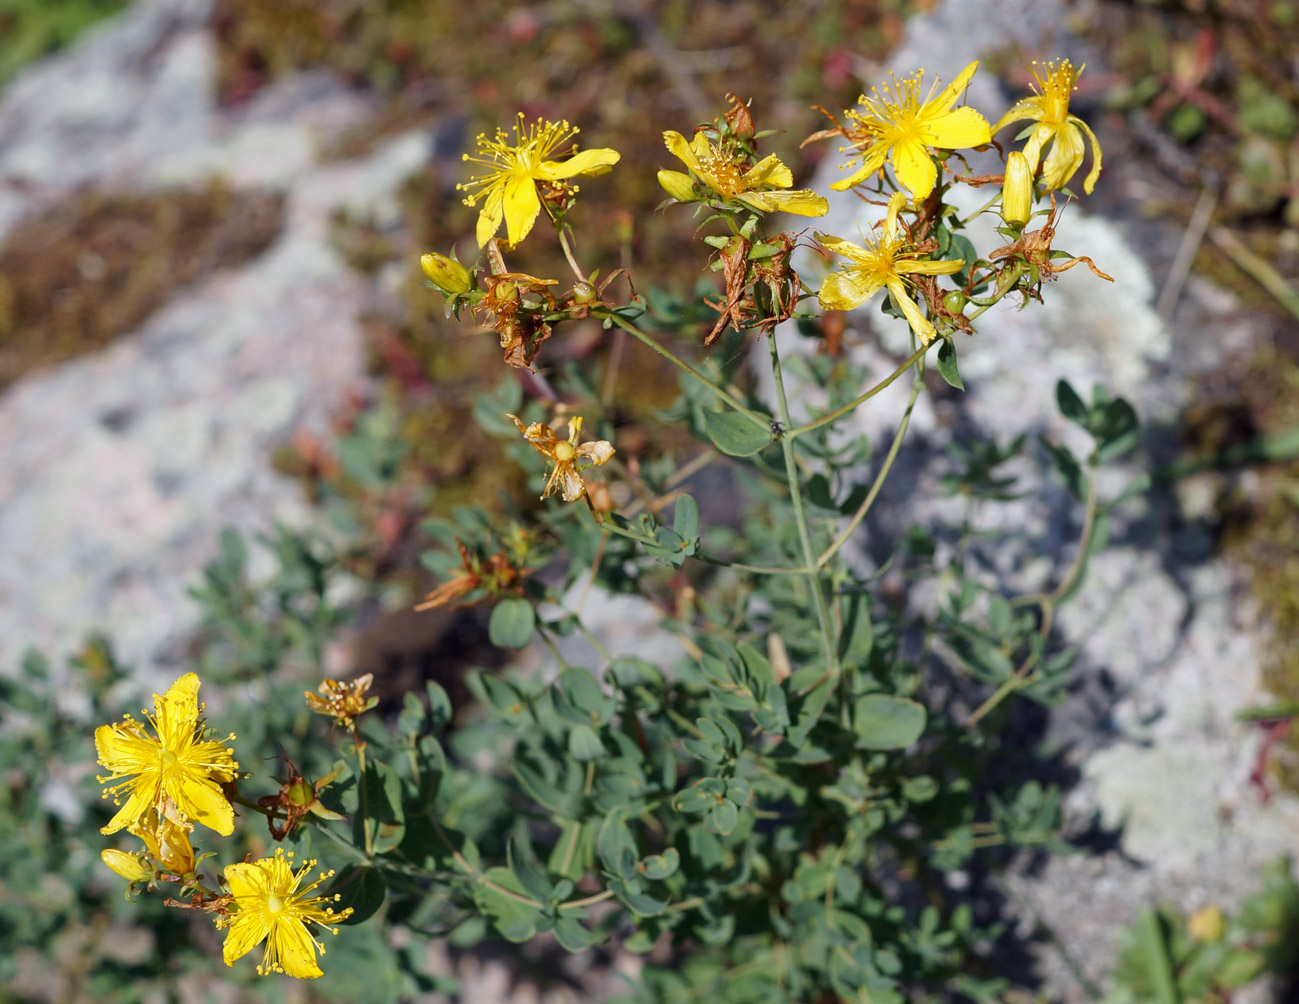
x,y
78,276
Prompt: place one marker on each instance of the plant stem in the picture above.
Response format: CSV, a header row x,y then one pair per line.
x,y
838,413
864,508
365,800
800,518
677,361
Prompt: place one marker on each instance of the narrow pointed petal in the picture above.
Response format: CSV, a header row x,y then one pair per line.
x,y
840,246
948,95
902,300
177,711
958,129
296,949
679,148
768,172
1028,108
929,267
1065,157
872,161
246,932
847,290
1090,182
522,205
596,161
143,798
489,218
915,168
800,202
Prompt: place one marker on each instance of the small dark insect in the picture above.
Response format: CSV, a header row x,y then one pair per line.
x,y
777,429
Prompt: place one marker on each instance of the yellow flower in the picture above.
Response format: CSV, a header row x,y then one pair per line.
x,y
178,774
565,453
902,129
272,905
883,263
514,169
719,169
344,701
1017,191
1049,108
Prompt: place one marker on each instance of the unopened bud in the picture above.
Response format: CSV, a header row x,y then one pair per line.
x,y
954,302
1207,924
1017,193
680,186
129,866
446,274
301,793
583,292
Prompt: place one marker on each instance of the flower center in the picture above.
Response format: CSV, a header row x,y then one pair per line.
x,y
722,173
274,904
168,759
564,452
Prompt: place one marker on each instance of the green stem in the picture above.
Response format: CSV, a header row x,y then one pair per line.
x,y
800,518
677,361
365,800
838,413
867,502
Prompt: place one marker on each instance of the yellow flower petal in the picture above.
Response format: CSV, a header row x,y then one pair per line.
x,y
1027,108
915,168
679,148
848,290
872,160
296,950
522,206
958,129
927,266
948,95
491,215
1065,157
592,162
902,300
1090,182
800,202
768,172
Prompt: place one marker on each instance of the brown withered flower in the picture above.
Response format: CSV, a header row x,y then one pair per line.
x,y
496,575
517,305
761,285
297,796
1034,247
344,702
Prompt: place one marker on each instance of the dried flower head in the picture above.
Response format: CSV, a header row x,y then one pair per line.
x,y
345,702
565,454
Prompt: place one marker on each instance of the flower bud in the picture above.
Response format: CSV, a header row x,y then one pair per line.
x,y
954,301
301,792
680,186
446,274
1017,193
129,866
1207,924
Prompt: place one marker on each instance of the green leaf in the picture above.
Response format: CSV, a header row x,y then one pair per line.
x,y
615,841
512,623
1071,405
362,888
515,920
685,520
572,934
884,722
583,692
661,866
722,817
947,364
439,706
735,434
584,744
572,852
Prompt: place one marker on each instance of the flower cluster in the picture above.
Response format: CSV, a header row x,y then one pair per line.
x,y
173,777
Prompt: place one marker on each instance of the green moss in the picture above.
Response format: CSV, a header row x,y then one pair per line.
x,y
74,278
